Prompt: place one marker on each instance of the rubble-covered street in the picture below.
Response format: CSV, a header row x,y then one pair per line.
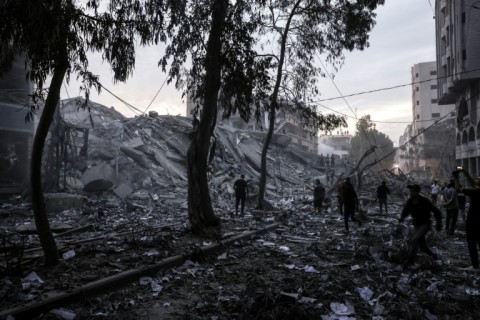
x,y
118,209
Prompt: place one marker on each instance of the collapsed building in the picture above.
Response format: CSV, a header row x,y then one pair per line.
x,y
99,151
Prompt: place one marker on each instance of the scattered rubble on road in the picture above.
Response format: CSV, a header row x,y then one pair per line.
x,y
119,203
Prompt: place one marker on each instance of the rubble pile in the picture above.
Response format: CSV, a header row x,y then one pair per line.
x,y
122,207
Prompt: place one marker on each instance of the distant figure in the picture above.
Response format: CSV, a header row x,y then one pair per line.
x,y
322,161
419,208
451,206
435,191
318,196
382,193
332,175
332,161
349,201
327,160
241,191
472,224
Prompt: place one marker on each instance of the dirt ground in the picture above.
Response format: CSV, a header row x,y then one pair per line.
x,y
307,268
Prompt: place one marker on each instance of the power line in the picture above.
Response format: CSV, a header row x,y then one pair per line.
x,y
346,102
125,102
392,87
156,94
420,133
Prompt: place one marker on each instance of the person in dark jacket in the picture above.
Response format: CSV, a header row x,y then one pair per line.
x,y
382,193
349,202
318,196
419,208
472,223
451,207
241,191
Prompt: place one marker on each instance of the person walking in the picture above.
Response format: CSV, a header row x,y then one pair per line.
x,y
241,190
435,191
318,196
472,224
349,202
451,207
420,209
382,193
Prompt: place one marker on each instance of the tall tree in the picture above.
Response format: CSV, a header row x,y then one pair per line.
x,y
56,36
211,56
302,31
367,136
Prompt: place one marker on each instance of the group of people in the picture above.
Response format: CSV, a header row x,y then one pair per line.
x,y
417,206
420,209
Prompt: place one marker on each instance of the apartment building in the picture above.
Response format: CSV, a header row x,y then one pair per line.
x,y
427,145
457,28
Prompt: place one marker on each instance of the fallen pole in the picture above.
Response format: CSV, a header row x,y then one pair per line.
x,y
119,280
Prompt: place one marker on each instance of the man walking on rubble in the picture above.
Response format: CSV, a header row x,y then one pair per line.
x,y
318,196
472,223
349,201
451,207
382,193
435,191
241,191
419,208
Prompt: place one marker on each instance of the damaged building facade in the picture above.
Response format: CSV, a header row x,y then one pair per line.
x,y
427,144
16,134
288,129
457,28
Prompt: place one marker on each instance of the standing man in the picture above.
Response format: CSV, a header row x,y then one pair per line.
x,y
350,202
472,224
419,208
382,192
241,191
318,196
451,206
435,191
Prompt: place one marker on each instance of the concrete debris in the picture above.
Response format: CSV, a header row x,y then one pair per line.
x,y
123,207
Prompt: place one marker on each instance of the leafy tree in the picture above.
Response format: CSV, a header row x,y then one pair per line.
x,y
216,37
56,36
302,30
367,136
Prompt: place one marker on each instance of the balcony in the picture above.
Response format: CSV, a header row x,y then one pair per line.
x,y
443,32
443,4
444,60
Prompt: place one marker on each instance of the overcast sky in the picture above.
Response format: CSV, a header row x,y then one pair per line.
x,y
403,36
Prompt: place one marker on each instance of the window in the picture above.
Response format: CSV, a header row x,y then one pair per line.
x,y
416,75
463,17
435,115
433,73
416,89
418,103
464,54
418,116
433,87
434,101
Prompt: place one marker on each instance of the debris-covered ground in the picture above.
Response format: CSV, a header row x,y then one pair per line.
x,y
119,214
306,268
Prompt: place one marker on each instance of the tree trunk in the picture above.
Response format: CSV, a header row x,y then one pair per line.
x,y
273,110
263,164
41,220
200,210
